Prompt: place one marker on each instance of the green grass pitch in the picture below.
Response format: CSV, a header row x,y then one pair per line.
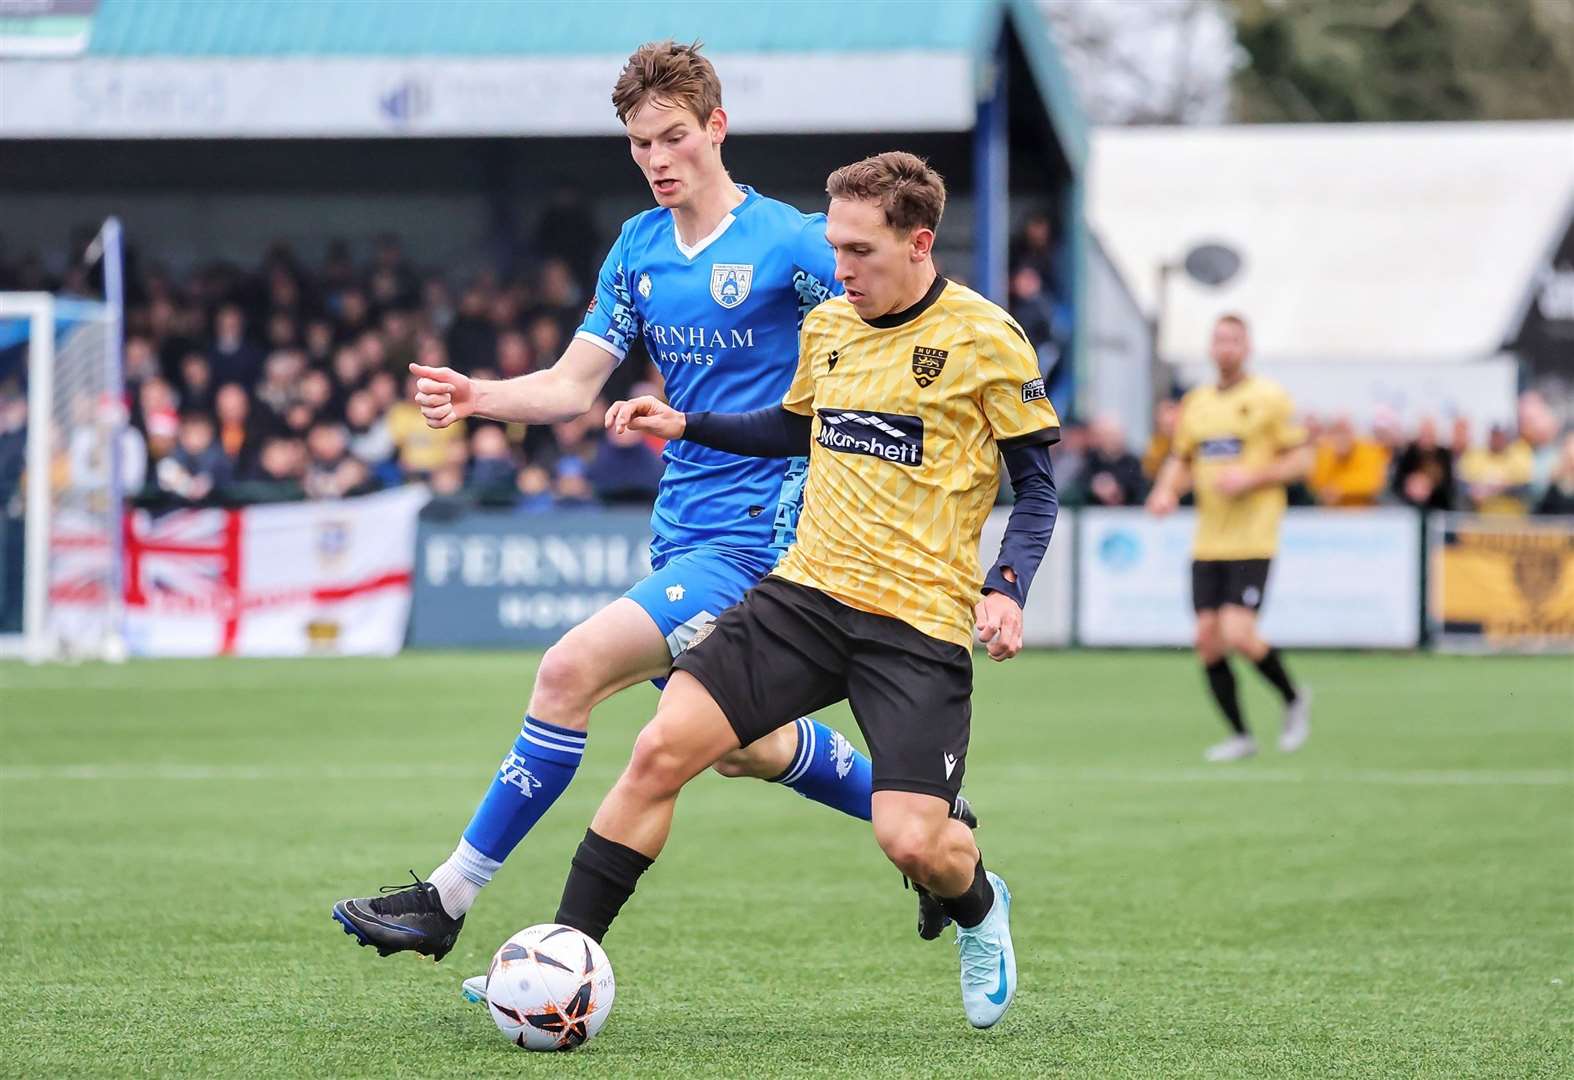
x,y
1393,901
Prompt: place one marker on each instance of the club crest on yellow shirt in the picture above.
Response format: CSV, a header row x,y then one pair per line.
x,y
928,364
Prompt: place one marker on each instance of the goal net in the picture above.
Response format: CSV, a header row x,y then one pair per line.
x,y
63,436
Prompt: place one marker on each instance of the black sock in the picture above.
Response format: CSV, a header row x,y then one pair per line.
x,y
1272,667
970,908
1221,680
603,878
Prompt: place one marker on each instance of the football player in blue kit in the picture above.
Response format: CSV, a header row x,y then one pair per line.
x,y
716,280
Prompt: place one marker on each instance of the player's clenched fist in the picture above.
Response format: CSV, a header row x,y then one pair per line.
x,y
998,620
647,414
445,396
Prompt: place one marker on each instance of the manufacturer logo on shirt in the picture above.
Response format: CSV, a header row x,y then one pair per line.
x,y
1033,390
729,283
830,360
928,364
888,436
644,286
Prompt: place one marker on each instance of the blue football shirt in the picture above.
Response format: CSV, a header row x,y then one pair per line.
x,y
720,319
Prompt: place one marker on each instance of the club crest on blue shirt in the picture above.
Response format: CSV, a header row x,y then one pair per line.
x,y
644,286
729,283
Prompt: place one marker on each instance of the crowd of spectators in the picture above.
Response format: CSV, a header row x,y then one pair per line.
x,y
290,380
1527,468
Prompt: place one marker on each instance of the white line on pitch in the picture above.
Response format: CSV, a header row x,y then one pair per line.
x,y
1063,774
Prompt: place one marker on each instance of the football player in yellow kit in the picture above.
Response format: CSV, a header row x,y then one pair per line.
x,y
1237,444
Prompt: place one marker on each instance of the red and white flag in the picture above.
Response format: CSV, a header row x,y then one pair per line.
x,y
325,577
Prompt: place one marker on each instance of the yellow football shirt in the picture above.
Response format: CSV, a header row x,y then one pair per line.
x,y
1249,425
910,412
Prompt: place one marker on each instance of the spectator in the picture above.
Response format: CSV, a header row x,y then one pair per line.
x,y
471,338
534,484
349,371
139,361
1496,477
237,433
1162,439
234,359
280,468
1424,470
331,471
1538,427
317,394
1559,496
319,342
571,485
196,382
283,331
545,335
1348,471
1110,475
625,469
491,475
1034,311
370,440
422,450
513,355
281,383
197,466
1069,453
159,419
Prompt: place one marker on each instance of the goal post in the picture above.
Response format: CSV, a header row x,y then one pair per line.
x,y
60,518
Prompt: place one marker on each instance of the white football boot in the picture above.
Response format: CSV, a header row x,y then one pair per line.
x,y
989,962
1232,749
1297,722
474,989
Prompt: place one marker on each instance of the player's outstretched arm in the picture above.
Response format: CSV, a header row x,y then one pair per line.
x,y
772,432
562,392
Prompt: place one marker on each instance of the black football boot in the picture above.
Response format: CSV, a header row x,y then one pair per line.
x,y
407,918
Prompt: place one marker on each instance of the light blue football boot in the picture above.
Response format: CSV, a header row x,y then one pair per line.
x,y
989,962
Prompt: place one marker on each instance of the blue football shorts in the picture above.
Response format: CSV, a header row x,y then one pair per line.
x,y
688,587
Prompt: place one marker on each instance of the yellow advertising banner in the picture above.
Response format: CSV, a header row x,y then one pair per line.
x,y
1503,583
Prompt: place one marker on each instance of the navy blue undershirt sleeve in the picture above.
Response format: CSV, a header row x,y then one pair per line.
x,y
772,432
1031,523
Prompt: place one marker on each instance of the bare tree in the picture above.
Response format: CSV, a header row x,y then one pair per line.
x,y
1147,61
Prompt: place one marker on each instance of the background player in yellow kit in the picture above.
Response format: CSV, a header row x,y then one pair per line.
x,y
1238,445
908,391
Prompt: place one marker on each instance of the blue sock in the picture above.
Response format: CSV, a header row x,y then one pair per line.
x,y
829,770
528,782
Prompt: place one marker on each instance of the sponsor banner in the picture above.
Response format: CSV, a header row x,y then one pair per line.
x,y
1342,579
1502,583
1046,621
340,97
498,579
328,577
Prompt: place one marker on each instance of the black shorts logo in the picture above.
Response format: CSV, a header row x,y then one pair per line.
x,y
928,364
1033,390
888,436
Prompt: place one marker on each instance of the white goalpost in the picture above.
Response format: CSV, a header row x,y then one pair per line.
x,y
60,520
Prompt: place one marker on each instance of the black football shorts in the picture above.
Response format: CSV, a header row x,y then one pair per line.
x,y
786,650
1237,582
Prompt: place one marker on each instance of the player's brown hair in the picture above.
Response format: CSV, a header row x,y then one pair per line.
x,y
670,73
1231,317
907,189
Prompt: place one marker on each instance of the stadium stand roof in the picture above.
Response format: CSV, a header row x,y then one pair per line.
x,y
1391,242
340,68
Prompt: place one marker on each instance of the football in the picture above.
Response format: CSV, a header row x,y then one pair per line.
x,y
549,987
